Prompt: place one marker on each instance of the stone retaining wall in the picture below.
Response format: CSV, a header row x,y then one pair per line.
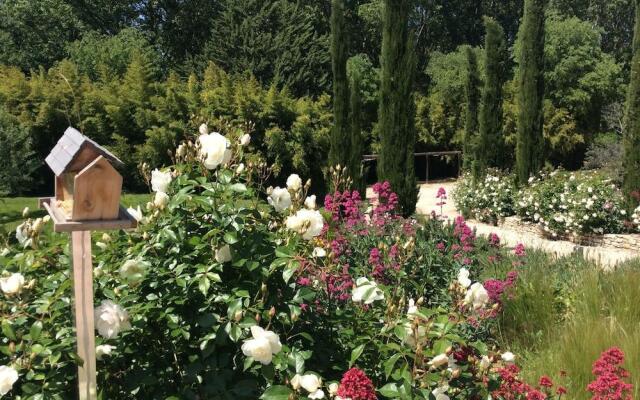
x,y
625,242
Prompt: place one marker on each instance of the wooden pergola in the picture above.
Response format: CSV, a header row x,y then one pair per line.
x,y
427,155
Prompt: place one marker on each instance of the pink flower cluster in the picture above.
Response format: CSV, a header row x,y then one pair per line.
x,y
497,287
609,383
345,206
339,286
512,387
519,250
356,385
466,237
380,268
386,203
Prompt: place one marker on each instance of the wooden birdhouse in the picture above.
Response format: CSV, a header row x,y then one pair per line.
x,y
87,185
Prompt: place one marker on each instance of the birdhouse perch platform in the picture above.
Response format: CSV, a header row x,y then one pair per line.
x,y
62,224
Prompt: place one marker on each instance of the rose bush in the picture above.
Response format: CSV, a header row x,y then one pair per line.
x,y
488,199
231,290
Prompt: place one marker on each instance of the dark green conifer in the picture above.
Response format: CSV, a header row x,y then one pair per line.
x,y
530,91
632,126
396,113
472,95
339,152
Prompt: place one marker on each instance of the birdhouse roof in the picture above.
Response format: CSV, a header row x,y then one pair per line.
x,y
70,146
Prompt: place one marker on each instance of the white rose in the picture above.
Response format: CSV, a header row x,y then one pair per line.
x,y
310,202
223,254
136,213
12,284
318,394
103,350
440,393
161,200
240,168
160,181
8,376
22,234
366,291
310,382
111,319
102,245
508,357
203,129
333,388
263,345
439,360
463,278
133,271
485,362
477,295
412,310
294,182
245,139
308,223
295,382
280,199
319,252
214,150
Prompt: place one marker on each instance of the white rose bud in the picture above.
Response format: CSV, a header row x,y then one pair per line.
x,y
133,271
161,200
203,129
508,357
310,202
8,376
103,350
439,360
240,168
25,212
245,139
13,284
223,254
294,182
333,388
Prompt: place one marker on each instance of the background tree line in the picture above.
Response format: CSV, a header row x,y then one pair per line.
x,y
133,73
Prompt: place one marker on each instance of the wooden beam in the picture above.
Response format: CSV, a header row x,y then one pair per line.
x,y
83,301
61,224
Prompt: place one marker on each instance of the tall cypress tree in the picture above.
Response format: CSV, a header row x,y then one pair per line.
x,y
472,95
631,138
530,83
396,113
340,135
490,141
357,141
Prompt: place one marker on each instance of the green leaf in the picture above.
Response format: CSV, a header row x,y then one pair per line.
x,y
390,390
239,187
35,330
277,392
231,237
7,330
355,354
390,363
290,270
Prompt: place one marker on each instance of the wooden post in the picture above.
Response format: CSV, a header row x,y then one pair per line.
x,y
83,293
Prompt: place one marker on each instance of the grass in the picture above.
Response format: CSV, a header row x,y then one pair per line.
x,y
564,313
11,208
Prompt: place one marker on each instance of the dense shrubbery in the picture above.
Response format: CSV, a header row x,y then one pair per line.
x,y
488,199
221,294
142,119
562,203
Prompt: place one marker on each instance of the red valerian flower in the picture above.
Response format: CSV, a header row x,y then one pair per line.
x,y
356,385
609,383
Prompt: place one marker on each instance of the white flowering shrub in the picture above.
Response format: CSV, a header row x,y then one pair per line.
x,y
635,218
488,199
565,203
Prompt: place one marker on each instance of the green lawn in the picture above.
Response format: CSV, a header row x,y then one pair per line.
x,y
11,208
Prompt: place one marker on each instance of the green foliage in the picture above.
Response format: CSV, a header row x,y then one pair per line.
x,y
276,41
106,57
396,115
530,92
340,152
34,33
491,148
632,133
17,161
440,116
472,96
142,119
